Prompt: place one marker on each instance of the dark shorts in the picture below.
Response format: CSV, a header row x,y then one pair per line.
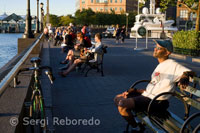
x,y
142,103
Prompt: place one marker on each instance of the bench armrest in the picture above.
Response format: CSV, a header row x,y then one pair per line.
x,y
149,112
138,82
132,87
188,120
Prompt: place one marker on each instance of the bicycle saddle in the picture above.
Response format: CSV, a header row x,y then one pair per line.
x,y
35,60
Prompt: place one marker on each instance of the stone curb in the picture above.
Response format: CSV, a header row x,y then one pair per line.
x,y
186,58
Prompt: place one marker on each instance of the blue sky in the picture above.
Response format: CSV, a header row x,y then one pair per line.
x,y
57,7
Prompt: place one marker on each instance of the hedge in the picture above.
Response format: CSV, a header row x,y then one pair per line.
x,y
187,42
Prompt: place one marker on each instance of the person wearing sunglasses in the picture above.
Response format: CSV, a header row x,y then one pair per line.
x,y
163,79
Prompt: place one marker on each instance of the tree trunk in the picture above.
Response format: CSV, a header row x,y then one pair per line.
x,y
157,3
198,18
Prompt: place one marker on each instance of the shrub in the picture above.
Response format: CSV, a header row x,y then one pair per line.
x,y
187,42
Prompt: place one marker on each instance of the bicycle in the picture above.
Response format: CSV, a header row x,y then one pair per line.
x,y
36,110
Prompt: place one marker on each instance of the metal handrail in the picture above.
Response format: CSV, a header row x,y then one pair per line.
x,y
9,77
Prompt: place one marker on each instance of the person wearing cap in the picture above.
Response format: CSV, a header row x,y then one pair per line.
x,y
163,79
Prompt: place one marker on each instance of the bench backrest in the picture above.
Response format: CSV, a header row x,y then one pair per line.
x,y
98,57
191,95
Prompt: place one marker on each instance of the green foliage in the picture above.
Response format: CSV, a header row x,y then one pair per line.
x,y
84,17
87,16
65,20
53,19
131,18
187,41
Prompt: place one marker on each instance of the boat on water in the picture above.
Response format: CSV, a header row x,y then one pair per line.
x,y
154,23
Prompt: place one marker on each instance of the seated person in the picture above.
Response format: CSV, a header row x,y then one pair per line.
x,y
163,79
67,42
75,53
95,48
46,34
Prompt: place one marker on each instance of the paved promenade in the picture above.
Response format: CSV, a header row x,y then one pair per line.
x,y
77,98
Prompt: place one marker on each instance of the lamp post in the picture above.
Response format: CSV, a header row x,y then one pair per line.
x,y
41,16
138,7
28,33
37,18
47,12
162,34
127,23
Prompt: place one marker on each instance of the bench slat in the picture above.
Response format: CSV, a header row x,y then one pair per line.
x,y
193,91
196,80
145,119
194,103
172,124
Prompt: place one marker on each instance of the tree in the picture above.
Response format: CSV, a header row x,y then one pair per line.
x,y
131,18
53,19
65,20
86,16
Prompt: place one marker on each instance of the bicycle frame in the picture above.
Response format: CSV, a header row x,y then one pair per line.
x,y
36,110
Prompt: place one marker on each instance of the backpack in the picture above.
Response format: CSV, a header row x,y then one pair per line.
x,y
89,44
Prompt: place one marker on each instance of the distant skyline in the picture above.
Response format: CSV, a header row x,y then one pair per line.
x,y
19,7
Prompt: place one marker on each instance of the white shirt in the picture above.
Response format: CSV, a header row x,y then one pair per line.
x,y
163,79
96,47
97,50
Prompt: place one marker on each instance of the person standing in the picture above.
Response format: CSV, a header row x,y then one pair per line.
x,y
118,32
123,33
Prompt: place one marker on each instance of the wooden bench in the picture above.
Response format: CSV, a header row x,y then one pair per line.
x,y
168,121
96,63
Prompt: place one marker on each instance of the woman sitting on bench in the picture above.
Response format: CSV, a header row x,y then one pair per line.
x,y
83,55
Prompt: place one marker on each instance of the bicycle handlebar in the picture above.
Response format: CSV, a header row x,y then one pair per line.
x,y
50,76
48,73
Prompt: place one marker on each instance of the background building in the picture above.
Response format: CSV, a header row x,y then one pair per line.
x,y
118,6
14,23
77,4
182,16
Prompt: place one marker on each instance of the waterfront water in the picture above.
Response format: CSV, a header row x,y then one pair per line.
x,y
8,47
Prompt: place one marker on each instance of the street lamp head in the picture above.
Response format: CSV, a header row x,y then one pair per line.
x,y
127,14
41,5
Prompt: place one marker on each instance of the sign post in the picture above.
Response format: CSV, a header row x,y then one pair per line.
x,y
142,31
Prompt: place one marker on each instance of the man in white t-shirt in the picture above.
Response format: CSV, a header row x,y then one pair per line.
x,y
163,79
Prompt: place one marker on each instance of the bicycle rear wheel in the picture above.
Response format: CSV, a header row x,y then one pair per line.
x,y
37,114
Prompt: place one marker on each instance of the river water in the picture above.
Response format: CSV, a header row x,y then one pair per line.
x,y
8,47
